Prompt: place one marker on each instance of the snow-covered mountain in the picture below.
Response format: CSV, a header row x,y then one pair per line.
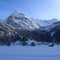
x,y
45,22
20,27
21,21
32,28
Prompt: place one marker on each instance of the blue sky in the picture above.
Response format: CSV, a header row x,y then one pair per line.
x,y
42,9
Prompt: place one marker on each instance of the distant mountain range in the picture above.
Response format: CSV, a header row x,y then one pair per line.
x,y
19,27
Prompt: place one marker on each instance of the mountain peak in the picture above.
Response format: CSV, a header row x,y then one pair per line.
x,y
17,14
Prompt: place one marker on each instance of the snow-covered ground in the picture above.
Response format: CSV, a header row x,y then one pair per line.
x,y
42,52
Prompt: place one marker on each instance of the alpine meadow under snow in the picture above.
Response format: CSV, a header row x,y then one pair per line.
x,y
24,38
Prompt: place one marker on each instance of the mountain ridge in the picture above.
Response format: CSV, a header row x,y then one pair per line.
x,y
20,27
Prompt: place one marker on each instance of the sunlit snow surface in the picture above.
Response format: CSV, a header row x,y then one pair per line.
x,y
41,52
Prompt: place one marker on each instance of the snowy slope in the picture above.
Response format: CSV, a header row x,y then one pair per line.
x,y
29,53
45,22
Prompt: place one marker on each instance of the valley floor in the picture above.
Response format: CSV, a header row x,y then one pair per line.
x,y
42,52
